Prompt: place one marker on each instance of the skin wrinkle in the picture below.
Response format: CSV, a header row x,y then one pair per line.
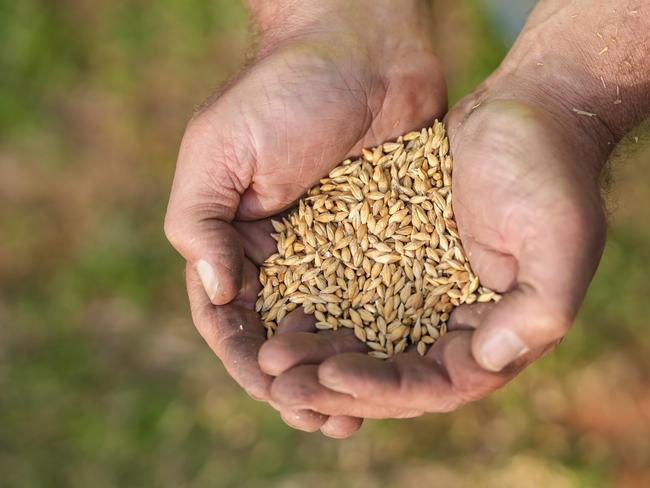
x,y
253,143
348,89
461,391
367,123
375,117
421,384
562,319
176,224
301,160
401,378
219,191
486,227
229,154
505,243
486,248
286,118
286,139
207,211
459,204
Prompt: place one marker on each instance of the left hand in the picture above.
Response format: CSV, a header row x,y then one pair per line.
x,y
528,208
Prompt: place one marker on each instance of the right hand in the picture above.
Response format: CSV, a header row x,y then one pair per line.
x,y
527,161
306,103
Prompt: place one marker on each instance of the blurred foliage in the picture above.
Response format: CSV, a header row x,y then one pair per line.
x,y
103,381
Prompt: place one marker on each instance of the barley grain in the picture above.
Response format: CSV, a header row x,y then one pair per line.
x,y
375,248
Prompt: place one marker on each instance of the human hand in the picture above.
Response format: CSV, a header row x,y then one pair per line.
x,y
528,146
530,218
320,89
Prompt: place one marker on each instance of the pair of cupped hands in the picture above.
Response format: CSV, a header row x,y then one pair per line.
x,y
526,200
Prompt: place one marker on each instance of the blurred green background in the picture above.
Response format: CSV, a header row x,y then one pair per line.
x,y
103,380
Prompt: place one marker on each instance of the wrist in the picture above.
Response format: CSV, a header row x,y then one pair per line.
x,y
587,67
373,28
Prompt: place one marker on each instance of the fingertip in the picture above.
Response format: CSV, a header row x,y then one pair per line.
x,y
303,419
273,357
297,321
341,426
285,351
522,321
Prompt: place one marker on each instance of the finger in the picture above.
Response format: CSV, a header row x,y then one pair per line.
x,y
498,271
299,388
547,216
303,419
337,427
250,287
443,380
341,426
555,268
468,316
213,169
256,238
235,335
287,350
297,321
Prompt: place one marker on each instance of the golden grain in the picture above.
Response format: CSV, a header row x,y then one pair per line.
x,y
375,248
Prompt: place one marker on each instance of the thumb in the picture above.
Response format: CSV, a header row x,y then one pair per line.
x,y
555,266
203,202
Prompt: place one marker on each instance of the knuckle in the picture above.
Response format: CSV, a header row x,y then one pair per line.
x,y
173,232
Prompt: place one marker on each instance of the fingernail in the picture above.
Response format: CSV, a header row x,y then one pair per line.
x,y
208,278
501,349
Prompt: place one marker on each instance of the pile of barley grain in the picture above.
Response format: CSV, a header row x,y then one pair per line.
x,y
375,248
